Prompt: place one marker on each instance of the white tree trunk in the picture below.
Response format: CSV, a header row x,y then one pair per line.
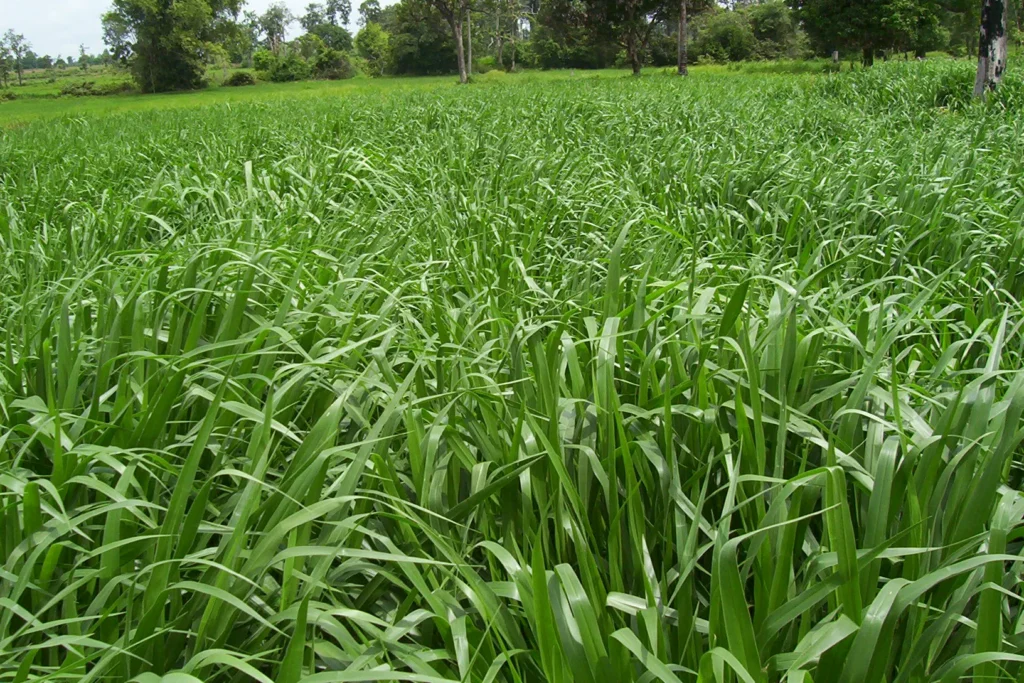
x,y
992,46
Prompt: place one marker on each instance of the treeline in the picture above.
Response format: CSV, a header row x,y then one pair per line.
x,y
171,44
17,57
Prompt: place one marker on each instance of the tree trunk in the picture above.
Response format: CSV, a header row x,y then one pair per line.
x,y
835,56
459,53
991,46
868,58
512,39
469,42
682,40
501,40
633,53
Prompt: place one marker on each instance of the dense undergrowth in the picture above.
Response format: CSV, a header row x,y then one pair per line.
x,y
591,380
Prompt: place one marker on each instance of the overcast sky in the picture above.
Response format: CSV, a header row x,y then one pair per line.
x,y
60,26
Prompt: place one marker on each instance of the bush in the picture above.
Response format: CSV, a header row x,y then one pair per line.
x,y
264,61
89,88
486,64
7,95
333,65
290,67
724,36
240,78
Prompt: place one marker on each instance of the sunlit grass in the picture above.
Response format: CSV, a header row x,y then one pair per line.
x,y
566,379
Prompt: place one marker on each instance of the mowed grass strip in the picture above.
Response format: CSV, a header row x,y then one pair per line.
x,y
568,380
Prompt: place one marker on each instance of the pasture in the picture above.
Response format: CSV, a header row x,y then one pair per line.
x,y
544,379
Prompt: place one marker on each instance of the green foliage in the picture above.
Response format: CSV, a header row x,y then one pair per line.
x,y
89,88
289,67
589,379
724,36
775,31
263,60
333,65
240,78
885,25
662,50
334,37
370,12
165,43
307,46
372,43
420,40
273,25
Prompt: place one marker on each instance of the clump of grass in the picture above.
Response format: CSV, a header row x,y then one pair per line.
x,y
616,379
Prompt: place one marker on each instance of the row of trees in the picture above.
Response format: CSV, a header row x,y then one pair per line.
x,y
13,48
169,44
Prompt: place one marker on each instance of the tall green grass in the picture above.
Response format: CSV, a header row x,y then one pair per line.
x,y
589,380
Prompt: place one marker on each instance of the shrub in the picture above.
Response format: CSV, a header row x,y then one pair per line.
x,y
264,60
7,95
485,64
725,36
333,65
290,67
90,88
240,78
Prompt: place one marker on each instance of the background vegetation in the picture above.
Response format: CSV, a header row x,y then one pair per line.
x,y
194,43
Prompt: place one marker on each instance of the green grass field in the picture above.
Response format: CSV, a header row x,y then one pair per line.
x,y
555,378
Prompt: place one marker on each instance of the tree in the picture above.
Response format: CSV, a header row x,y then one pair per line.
x,y
774,30
369,12
334,37
870,25
308,45
683,41
337,11
629,22
565,37
274,24
372,45
509,16
685,11
420,39
313,17
165,41
5,63
17,46
453,11
83,58
991,46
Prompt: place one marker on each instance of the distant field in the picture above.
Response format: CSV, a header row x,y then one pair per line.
x,y
44,105
554,377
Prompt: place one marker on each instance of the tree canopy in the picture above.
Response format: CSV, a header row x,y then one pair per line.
x,y
165,41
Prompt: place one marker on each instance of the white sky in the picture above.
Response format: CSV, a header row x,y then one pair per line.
x,y
60,26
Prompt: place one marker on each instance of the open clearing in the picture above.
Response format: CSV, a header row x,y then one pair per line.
x,y
565,379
